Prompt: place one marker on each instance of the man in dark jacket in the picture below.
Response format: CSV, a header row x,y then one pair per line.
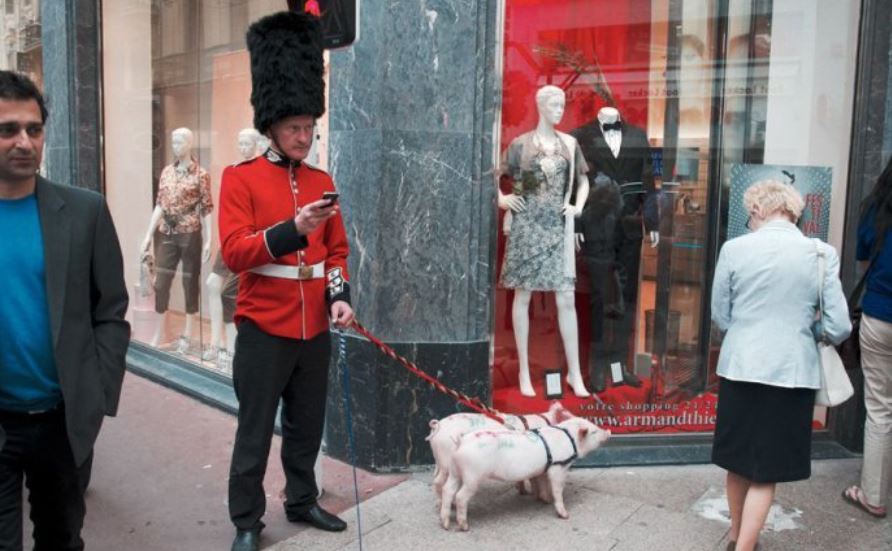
x,y
63,337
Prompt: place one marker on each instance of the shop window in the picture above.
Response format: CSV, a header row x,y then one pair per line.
x,y
711,95
20,46
177,112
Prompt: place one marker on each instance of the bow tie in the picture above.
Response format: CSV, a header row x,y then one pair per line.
x,y
618,125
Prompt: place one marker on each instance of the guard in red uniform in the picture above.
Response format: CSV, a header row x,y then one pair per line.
x,y
289,246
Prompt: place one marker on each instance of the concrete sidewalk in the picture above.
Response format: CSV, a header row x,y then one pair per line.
x,y
160,472
160,478
617,509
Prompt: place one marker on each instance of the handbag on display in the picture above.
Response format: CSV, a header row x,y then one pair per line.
x,y
146,274
836,387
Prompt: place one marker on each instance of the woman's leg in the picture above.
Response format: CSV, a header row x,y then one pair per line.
x,y
758,501
520,316
736,487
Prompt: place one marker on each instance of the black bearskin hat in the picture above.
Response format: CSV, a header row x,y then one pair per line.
x,y
286,68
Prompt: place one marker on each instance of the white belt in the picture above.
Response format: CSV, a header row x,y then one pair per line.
x,y
315,271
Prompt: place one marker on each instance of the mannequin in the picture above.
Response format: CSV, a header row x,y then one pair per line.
x,y
610,232
180,230
548,171
222,284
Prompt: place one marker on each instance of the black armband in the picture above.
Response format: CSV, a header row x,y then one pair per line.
x,y
283,238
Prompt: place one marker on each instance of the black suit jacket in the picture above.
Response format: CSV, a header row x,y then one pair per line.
x,y
634,164
87,300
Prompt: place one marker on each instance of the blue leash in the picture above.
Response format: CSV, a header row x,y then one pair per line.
x,y
342,363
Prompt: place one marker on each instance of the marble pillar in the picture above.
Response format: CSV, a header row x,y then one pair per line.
x,y
411,117
70,39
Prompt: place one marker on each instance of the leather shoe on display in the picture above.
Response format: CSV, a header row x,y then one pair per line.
x,y
246,540
598,377
320,518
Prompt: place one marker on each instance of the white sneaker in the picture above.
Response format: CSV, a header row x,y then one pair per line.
x,y
209,354
182,345
224,360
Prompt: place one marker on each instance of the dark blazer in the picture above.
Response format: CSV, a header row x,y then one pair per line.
x,y
87,300
634,164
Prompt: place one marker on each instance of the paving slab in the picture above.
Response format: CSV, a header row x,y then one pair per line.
x,y
615,509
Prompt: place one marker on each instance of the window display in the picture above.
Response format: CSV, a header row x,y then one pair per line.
x,y
180,233
177,113
619,156
222,284
667,100
549,188
20,43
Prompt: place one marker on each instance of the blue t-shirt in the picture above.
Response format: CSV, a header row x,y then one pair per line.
x,y
877,301
28,377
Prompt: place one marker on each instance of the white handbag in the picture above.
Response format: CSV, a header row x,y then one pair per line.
x,y
836,387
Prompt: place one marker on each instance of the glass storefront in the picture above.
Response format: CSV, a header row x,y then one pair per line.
x,y
176,104
711,96
20,46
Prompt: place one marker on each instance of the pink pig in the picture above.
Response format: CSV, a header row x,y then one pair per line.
x,y
446,433
544,454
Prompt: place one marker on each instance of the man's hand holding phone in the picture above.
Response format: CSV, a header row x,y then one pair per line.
x,y
311,215
331,197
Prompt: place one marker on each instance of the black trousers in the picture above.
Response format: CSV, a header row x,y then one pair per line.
x,y
613,305
266,368
37,450
169,251
608,310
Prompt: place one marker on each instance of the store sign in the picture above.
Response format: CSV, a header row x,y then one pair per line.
x,y
814,183
340,19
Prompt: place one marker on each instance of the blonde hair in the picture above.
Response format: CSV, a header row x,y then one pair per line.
x,y
771,196
546,92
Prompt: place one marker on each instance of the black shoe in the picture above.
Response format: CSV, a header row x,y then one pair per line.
x,y
246,540
631,379
597,376
320,518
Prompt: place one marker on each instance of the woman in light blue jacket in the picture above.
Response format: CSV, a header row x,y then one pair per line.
x,y
765,299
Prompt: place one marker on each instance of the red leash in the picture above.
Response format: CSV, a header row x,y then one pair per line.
x,y
473,403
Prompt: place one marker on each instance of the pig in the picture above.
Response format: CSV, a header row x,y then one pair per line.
x,y
446,432
514,456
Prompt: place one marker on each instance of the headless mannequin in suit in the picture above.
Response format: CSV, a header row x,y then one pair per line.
x,y
610,235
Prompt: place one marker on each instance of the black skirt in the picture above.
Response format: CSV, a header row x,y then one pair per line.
x,y
763,432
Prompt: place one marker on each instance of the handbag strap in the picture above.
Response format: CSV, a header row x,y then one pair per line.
x,y
821,264
855,297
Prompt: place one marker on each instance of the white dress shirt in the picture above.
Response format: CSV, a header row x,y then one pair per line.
x,y
614,139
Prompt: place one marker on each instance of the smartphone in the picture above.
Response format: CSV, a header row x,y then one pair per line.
x,y
331,197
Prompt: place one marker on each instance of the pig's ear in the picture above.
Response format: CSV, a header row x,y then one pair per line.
x,y
560,412
583,432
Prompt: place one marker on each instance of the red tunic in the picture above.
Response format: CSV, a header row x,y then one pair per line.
x,y
256,205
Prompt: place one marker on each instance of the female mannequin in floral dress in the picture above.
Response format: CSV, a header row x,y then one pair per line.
x,y
548,170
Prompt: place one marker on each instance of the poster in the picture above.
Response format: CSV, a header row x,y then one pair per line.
x,y
813,182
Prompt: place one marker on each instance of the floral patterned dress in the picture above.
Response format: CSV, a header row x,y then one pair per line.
x,y
535,255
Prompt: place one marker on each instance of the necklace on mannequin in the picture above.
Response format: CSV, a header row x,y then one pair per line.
x,y
181,168
548,145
